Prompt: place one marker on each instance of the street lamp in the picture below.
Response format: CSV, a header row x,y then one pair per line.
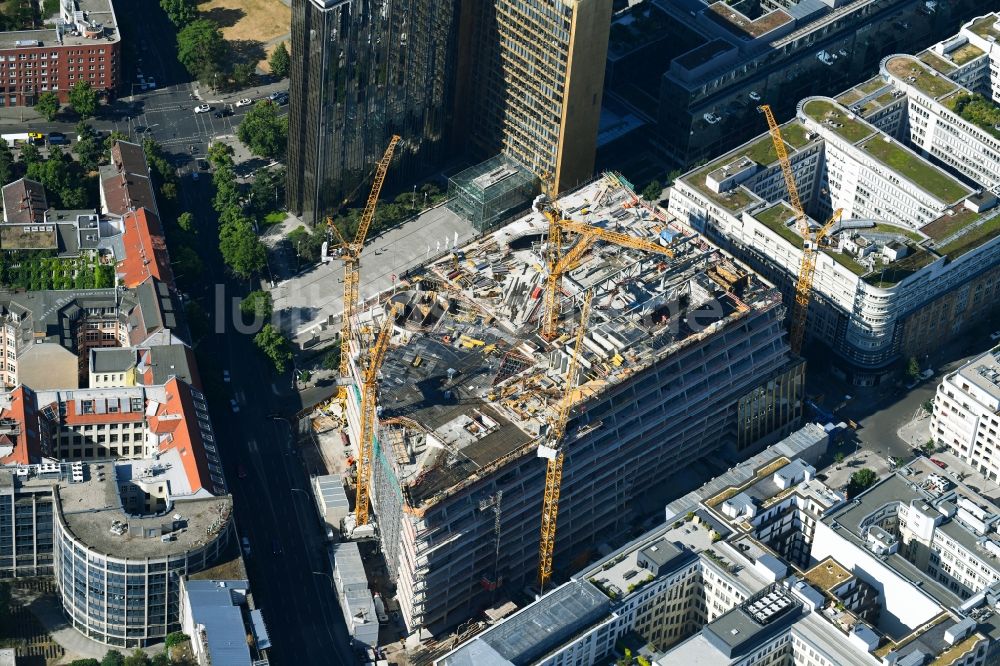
x,y
323,573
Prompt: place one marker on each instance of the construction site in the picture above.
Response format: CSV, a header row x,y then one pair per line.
x,y
552,373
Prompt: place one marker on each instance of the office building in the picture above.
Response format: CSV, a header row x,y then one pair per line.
x,y
903,574
84,44
915,255
966,413
537,84
694,73
683,358
363,72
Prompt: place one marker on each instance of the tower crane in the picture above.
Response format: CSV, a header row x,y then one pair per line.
x,y
810,240
368,405
552,451
588,234
351,255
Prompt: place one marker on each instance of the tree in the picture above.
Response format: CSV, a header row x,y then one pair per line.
x,y
104,276
257,303
83,99
307,245
263,131
838,457
227,190
244,74
201,48
913,368
185,221
188,263
88,149
279,62
197,320
30,154
84,662
275,346
180,12
48,105
137,658
113,658
6,162
267,191
860,481
175,638
241,249
220,154
161,660
652,191
113,138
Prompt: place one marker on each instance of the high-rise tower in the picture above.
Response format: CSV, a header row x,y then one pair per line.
x,y
362,71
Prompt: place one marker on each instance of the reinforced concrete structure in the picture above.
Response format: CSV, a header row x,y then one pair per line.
x,y
913,168
694,72
674,348
903,574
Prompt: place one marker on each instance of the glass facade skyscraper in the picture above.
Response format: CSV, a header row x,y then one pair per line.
x,y
362,71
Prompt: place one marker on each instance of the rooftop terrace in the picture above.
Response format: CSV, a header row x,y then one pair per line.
x,y
837,119
744,27
909,165
911,71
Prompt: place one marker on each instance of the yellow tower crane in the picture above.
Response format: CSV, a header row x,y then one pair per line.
x,y
810,240
588,234
552,451
368,406
351,254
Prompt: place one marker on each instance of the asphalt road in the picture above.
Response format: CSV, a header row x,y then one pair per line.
x,y
289,572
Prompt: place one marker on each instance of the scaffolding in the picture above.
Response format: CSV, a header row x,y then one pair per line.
x,y
487,193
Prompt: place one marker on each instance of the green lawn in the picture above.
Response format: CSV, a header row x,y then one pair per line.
x,y
965,53
946,225
733,200
984,27
972,239
900,270
915,169
32,271
848,262
794,134
826,112
871,85
275,217
937,62
850,96
776,219
932,84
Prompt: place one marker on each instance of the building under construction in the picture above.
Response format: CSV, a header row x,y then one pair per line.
x,y
684,357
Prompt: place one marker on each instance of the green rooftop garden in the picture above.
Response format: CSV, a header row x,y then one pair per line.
x,y
848,262
762,151
37,270
984,27
883,228
897,271
946,225
976,109
850,96
912,71
776,219
919,171
871,85
794,134
937,62
835,118
735,200
965,53
973,239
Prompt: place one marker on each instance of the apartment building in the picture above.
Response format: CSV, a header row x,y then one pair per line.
x,y
693,74
83,46
706,587
914,256
965,414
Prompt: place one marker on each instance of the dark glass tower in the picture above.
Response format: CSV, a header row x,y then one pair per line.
x,y
363,70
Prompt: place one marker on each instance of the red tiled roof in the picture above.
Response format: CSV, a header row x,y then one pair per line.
x,y
177,418
72,418
27,445
145,250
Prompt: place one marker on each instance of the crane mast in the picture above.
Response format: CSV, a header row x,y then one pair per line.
x,y
810,240
552,450
351,254
369,402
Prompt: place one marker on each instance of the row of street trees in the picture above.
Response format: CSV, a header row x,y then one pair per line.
x,y
83,98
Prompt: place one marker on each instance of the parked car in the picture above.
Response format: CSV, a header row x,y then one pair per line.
x,y
995,335
282,99
57,139
203,165
222,113
246,546
225,376
36,138
235,406
246,101
202,108
938,463
276,94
